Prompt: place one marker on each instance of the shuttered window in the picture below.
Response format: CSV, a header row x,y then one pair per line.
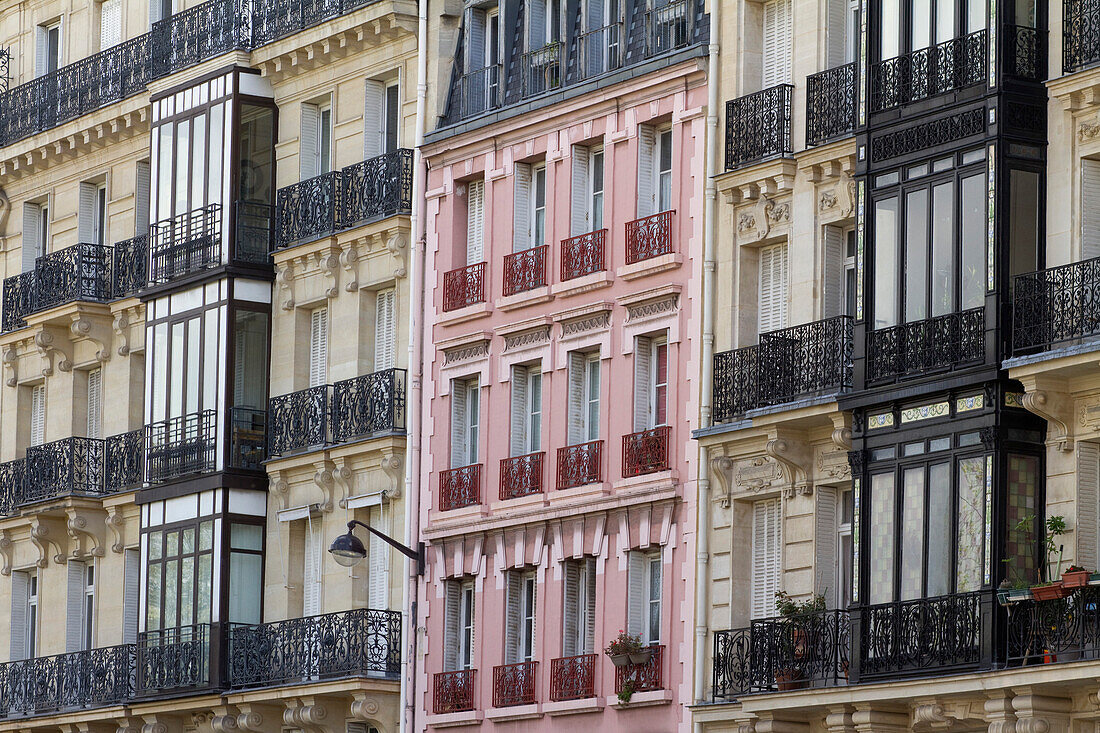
x,y
579,611
318,347
475,223
650,383
773,288
777,43
767,549
1088,503
663,182
141,198
538,206
312,558
379,566
647,166
1090,209
833,286
131,595
584,397
580,214
315,143
38,415
159,10
836,30
464,422
392,128
526,417
373,115
385,329
47,51
459,625
80,607
520,620
825,543
35,234
95,403
92,216
24,614
110,24
644,596
522,226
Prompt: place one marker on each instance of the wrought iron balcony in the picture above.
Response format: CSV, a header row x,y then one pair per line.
x,y
190,37
1057,305
130,266
124,460
453,692
916,348
481,90
542,69
928,72
180,446
18,300
1080,34
1025,52
459,487
186,243
11,486
810,650
646,451
601,50
66,682
176,659
758,126
668,27
369,405
525,270
813,358
71,466
643,677
514,684
299,420
649,237
464,286
81,272
280,18
360,642
521,475
247,438
580,465
1063,630
830,104
583,255
309,209
573,678
253,231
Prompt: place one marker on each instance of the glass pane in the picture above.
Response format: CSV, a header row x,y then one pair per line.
x,y
257,154
202,590
175,403
939,530
886,268
890,23
171,544
969,561
943,249
198,173
912,534
188,538
922,19
247,537
171,593
245,573
183,156
193,379
250,359
156,540
881,580
1021,534
187,590
1025,12
973,241
1023,222
206,535
160,371
164,173
945,20
916,255
152,598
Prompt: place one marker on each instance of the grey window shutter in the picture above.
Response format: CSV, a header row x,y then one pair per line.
x,y
453,612
833,287
372,119
20,583
141,199
519,415
131,595
637,594
825,543
580,196
1090,209
32,235
521,208
577,398
837,25
476,37
647,153
74,606
1088,498
459,423
536,28
513,604
572,621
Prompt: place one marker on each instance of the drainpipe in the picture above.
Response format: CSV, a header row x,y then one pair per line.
x,y
414,387
702,533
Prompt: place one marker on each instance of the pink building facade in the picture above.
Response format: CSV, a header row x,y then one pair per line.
x,y
563,230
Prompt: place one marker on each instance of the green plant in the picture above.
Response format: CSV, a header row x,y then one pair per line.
x,y
626,692
788,607
1055,526
624,643
1075,569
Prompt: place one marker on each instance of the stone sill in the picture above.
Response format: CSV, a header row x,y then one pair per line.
x,y
461,315
582,284
514,712
651,266
534,296
641,699
454,720
574,707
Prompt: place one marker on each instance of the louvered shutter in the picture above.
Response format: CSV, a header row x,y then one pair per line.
x,y
311,570
825,543
41,51
131,595
1090,209
155,11
520,415
580,196
74,605
578,402
373,132
766,556
833,288
141,199
392,124
477,39
589,638
475,223
95,403
836,28
378,581
596,18
596,45
571,619
20,583
521,214
536,28
637,594
318,347
385,329
459,424
38,414
647,154
773,288
1088,500
110,24
310,142
643,383
453,613
512,608
777,43
85,220
32,235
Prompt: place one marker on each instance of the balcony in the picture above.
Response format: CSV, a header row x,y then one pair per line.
x,y
464,286
668,27
758,126
180,446
281,18
480,91
11,486
1080,34
130,266
299,421
369,405
810,650
453,692
123,460
583,255
580,465
1063,630
573,678
360,642
601,50
78,273
514,684
646,451
459,487
1060,305
521,476
929,72
830,104
1025,52
176,659
184,244
72,466
649,237
542,70
916,348
67,682
525,270
642,677
813,358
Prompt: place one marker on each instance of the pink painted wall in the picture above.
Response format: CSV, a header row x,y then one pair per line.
x,y
620,514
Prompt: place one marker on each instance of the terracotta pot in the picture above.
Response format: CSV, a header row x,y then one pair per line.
x,y
790,679
1075,579
620,660
1048,592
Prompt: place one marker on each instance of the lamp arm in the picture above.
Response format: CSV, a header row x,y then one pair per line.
x,y
415,555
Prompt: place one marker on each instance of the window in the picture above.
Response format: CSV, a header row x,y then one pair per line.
x,y
475,223
141,198
842,29
526,409
465,414
381,118
538,207
602,44
529,212
844,550
95,404
584,397
38,414
378,568
587,190
650,383
24,614
80,619
772,314
1090,208
385,329
131,595
316,139
543,24
318,347
159,10
767,553
520,630
110,23
644,596
92,217
930,22
246,572
579,617
312,568
179,575
664,170
840,272
36,233
776,52
47,48
459,632
654,170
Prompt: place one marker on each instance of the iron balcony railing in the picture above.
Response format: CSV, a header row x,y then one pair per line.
x,y
81,272
1061,630
1025,52
280,18
668,27
360,642
198,33
464,286
810,650
646,451
943,342
453,692
1056,305
186,243
813,358
67,682
515,684
299,420
481,90
1080,34
459,487
643,677
369,405
180,446
521,475
309,209
176,659
525,270
928,72
11,486
573,678
601,50
580,465
18,300
541,69
830,104
247,438
649,237
583,255
63,468
130,266
124,460
758,126
253,231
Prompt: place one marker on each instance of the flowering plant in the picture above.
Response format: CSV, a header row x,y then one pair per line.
x,y
624,643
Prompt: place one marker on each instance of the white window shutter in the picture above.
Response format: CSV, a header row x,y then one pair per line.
x,y
767,552
837,30
776,57
833,288
110,24
1088,503
513,606
385,329
32,235
637,594
773,288
578,402
572,622
647,164
141,199
451,632
311,570
521,213
459,423
589,638
378,580
155,11
74,606
373,129
475,222
580,196
643,383
131,595
318,347
38,414
20,587
825,542
536,25
41,50
1090,209
309,152
85,220
519,410
95,403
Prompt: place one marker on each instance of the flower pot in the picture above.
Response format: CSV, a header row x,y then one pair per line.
x,y
1008,596
1048,591
1094,579
620,660
790,679
1075,579
641,657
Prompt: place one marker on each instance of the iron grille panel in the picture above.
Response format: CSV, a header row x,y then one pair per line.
x,y
830,104
758,126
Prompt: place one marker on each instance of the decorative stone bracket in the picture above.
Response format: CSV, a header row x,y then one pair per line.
x,y
795,458
1057,409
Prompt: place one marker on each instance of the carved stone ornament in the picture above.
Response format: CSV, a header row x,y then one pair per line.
x,y
5,210
652,308
534,337
594,322
1088,130
827,200
756,474
469,352
746,221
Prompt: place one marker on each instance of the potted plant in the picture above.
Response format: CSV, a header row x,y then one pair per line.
x,y
1046,589
626,692
796,619
624,648
1013,592
1075,576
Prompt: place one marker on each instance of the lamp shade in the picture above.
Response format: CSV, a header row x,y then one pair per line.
x,y
347,549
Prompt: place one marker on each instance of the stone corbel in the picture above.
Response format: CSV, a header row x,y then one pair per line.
x,y
281,487
11,360
723,469
115,523
999,714
344,478
284,278
870,720
256,718
121,327
306,715
398,245
349,259
44,536
5,552
156,723
796,459
127,725
1057,409
328,264
393,465
839,720
326,482
83,328
45,342
1041,713
82,535
364,707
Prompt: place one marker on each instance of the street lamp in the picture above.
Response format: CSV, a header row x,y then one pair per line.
x,y
348,550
